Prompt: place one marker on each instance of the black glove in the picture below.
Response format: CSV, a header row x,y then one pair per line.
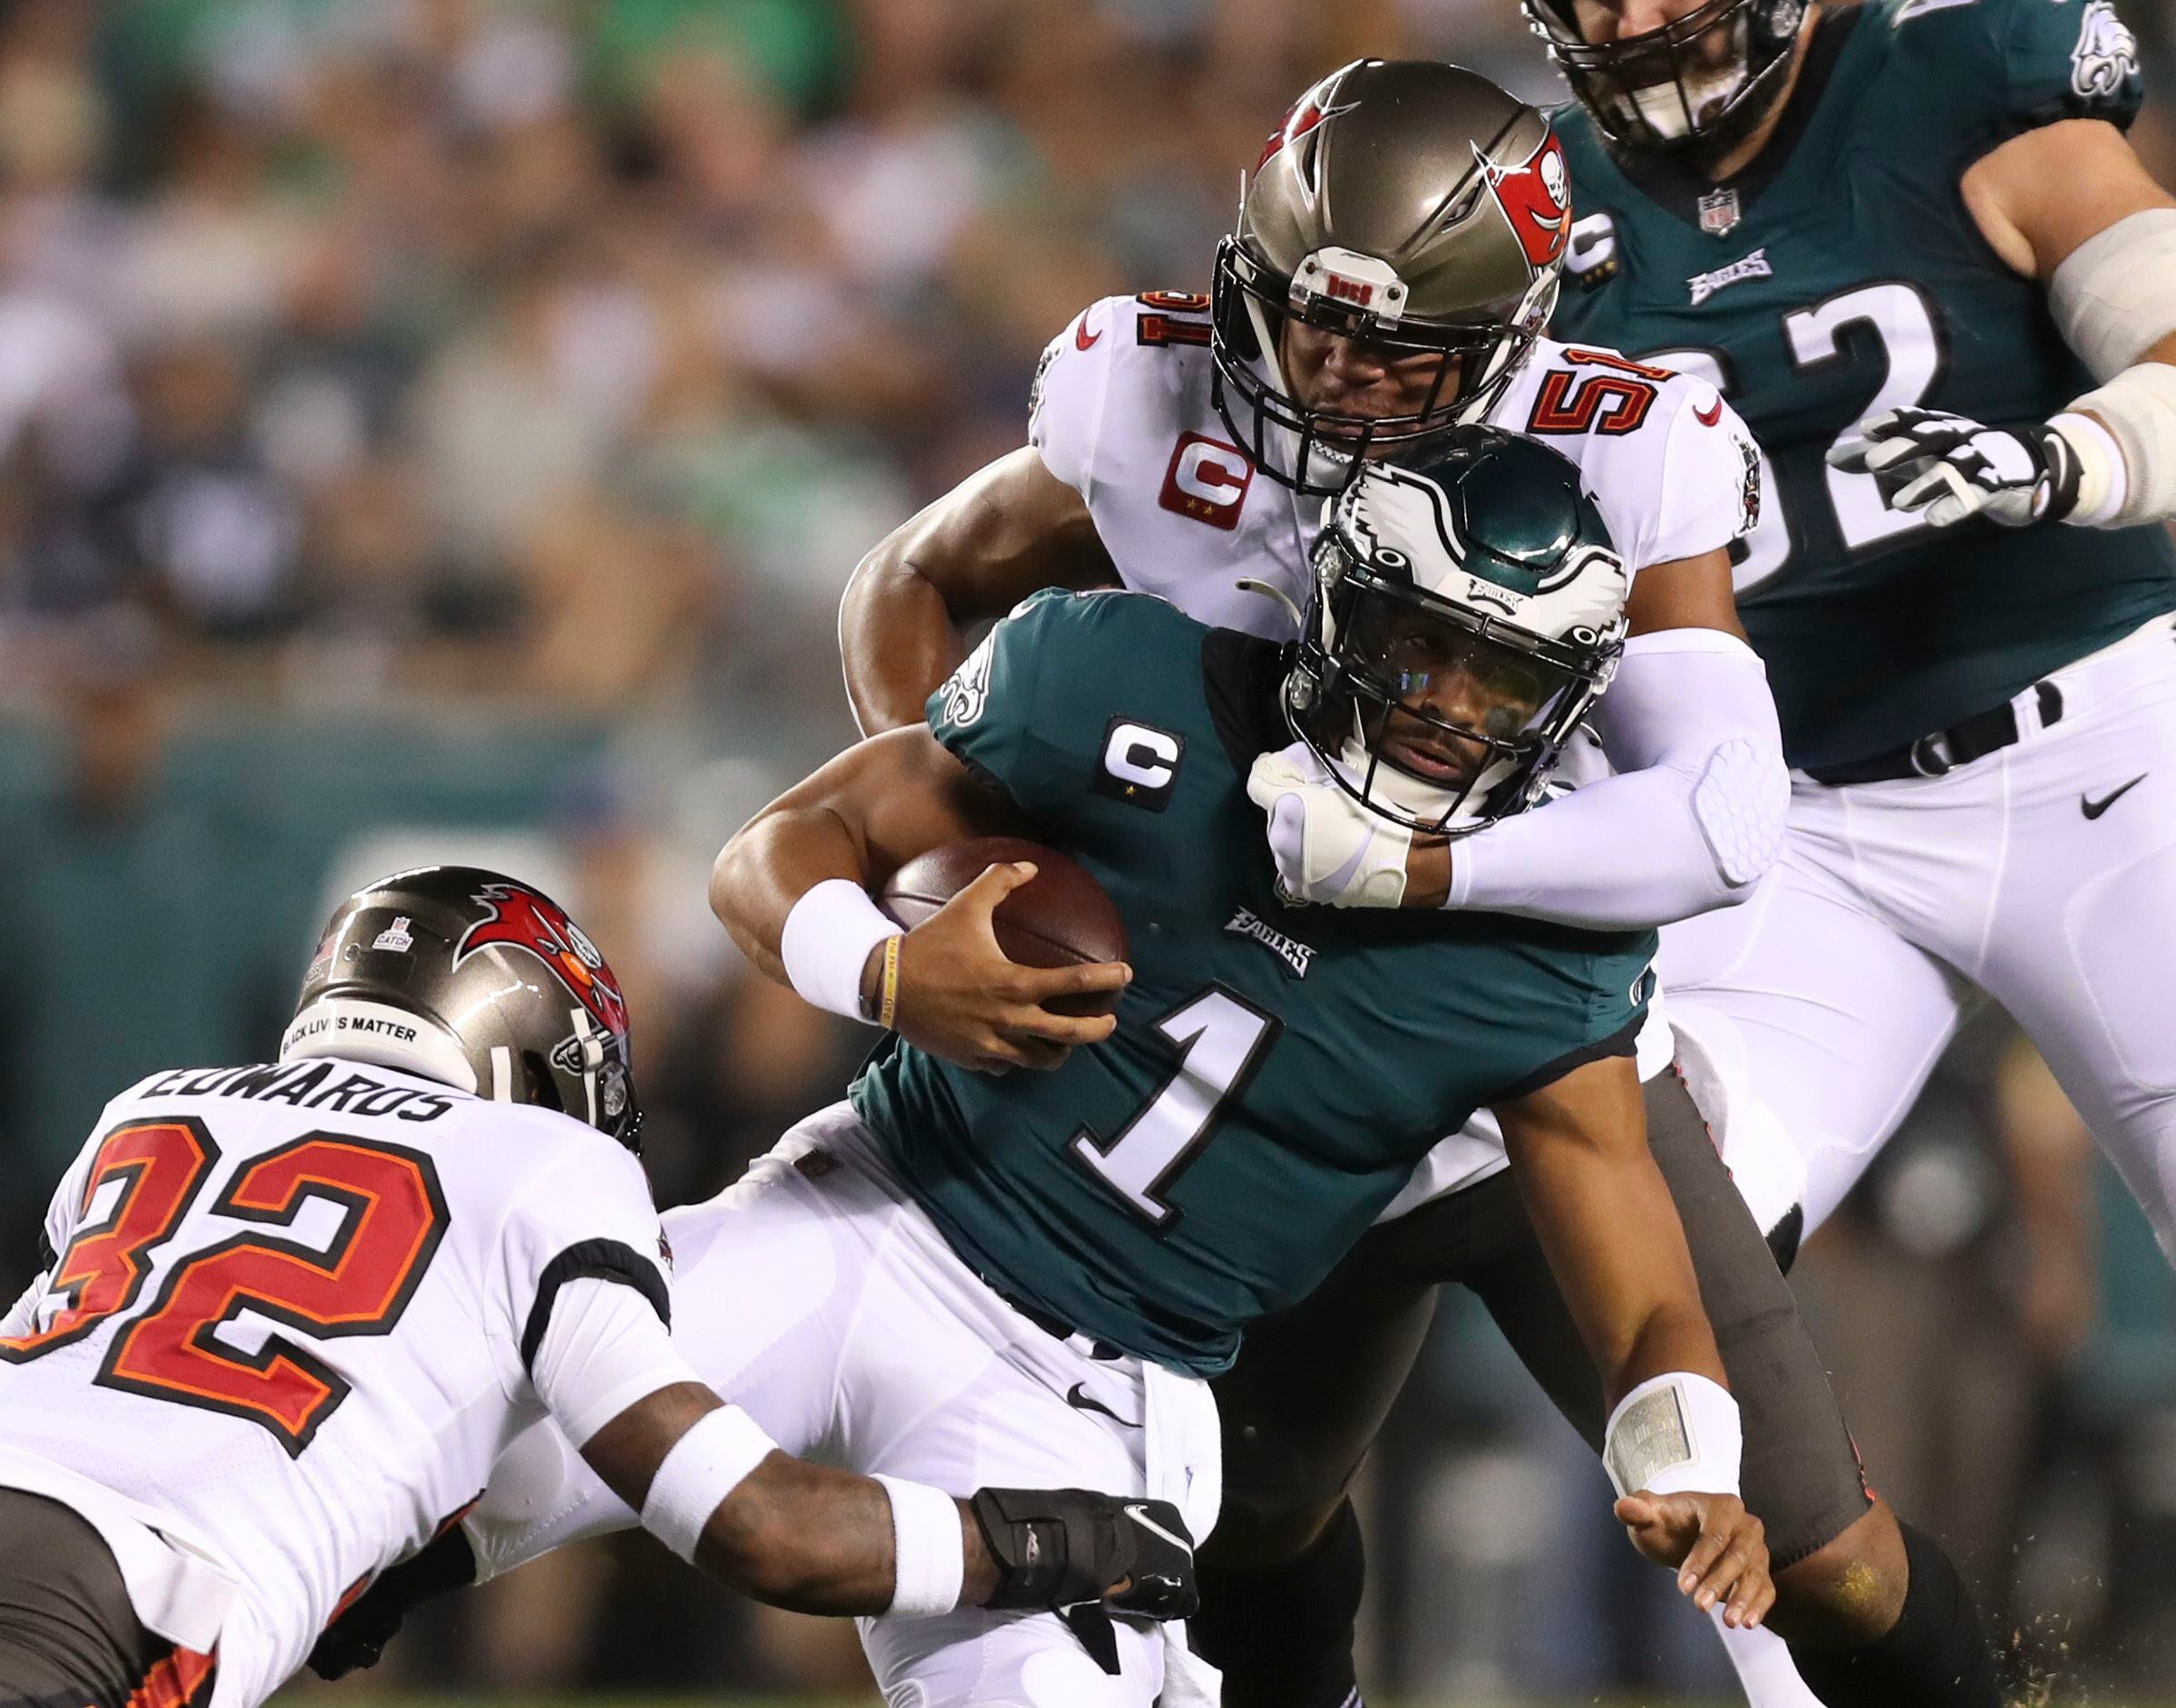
x,y
359,1633
1060,1547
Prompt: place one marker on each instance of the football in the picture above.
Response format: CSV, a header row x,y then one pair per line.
x,y
1059,917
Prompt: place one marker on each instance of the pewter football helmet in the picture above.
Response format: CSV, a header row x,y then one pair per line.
x,y
472,978
1413,206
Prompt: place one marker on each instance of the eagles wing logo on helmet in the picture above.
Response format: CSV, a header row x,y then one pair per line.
x,y
526,920
1536,198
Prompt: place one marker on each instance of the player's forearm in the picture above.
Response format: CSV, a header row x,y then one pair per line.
x,y
812,1540
1614,1244
1608,1225
897,638
770,865
1691,821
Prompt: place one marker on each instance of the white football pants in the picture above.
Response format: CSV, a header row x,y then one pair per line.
x,y
814,1294
2043,874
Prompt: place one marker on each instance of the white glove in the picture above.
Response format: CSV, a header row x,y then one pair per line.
x,y
1951,467
1328,848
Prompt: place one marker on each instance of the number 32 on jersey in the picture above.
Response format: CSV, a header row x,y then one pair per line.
x,y
145,1177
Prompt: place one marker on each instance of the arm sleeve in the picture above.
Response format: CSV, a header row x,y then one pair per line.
x,y
1066,404
605,1348
1692,819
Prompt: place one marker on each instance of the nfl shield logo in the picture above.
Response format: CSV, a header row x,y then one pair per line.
x,y
1719,212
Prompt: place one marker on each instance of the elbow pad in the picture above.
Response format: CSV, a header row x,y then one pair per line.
x,y
1740,811
1697,699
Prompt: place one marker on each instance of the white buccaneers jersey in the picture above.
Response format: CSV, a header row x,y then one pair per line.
x,y
1122,412
291,1318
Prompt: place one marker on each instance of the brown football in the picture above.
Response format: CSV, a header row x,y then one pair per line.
x,y
1059,917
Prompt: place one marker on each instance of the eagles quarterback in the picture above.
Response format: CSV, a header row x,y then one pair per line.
x,y
1398,250
959,1276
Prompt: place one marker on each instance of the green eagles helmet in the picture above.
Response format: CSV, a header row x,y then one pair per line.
x,y
1468,608
1410,206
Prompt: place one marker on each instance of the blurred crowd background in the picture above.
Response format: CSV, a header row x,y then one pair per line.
x,y
442,429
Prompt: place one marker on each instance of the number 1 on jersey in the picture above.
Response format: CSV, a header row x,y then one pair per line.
x,y
1221,1039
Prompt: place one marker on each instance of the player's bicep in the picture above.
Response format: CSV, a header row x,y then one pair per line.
x,y
900,794
1693,592
605,1347
1007,531
2042,194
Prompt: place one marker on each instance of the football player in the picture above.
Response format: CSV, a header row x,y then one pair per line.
x,y
294,1311
1925,214
956,1272
1392,261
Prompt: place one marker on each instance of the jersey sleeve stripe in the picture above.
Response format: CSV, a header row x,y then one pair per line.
x,y
605,1260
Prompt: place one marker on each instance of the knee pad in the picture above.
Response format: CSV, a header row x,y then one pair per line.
x,y
1283,1635
1937,1653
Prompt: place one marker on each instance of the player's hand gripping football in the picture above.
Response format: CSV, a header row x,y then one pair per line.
x,y
961,998
1949,467
1719,1548
1330,850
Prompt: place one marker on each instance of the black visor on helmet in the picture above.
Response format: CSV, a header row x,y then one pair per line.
x,y
1700,83
1316,451
1459,700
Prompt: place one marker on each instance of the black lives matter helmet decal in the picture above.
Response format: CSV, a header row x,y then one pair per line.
x,y
476,979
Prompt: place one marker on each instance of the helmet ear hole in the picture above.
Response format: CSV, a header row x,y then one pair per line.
x,y
543,1088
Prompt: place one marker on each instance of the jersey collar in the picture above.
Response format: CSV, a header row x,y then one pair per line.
x,y
1243,680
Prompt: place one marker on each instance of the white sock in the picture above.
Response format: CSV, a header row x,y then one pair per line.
x,y
1762,1661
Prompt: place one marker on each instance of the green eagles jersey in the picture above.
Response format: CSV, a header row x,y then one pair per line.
x,y
1277,1071
1840,276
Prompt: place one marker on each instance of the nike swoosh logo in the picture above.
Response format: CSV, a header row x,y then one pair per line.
x,y
1081,1400
2094,808
1708,417
1082,339
1139,1515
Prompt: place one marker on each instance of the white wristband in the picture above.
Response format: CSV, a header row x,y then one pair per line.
x,y
930,1551
700,1468
827,941
2102,481
1674,1433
